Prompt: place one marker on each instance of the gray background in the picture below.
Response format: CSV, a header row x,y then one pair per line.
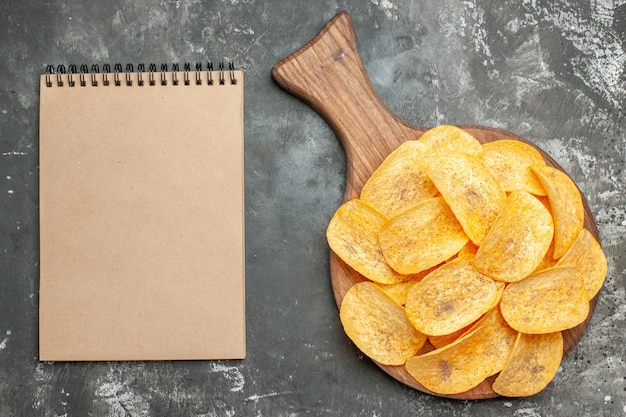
x,y
551,71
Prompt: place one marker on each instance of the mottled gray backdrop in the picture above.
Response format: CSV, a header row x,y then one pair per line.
x,y
551,71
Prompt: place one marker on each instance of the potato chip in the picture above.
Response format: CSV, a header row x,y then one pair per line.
x,y
586,254
546,203
399,291
451,297
352,234
469,249
496,299
567,206
548,301
446,339
400,182
548,260
518,239
471,191
378,326
503,336
533,363
509,161
421,237
446,139
456,367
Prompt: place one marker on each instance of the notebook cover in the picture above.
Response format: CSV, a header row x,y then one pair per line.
x,y
142,222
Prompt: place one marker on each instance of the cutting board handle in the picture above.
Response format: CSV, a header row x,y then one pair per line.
x,y
328,74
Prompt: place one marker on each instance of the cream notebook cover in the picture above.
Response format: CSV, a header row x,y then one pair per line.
x,y
141,215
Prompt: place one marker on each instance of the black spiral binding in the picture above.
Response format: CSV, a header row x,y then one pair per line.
x,y
69,75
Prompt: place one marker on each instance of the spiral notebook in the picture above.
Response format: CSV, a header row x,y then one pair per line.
x,y
141,213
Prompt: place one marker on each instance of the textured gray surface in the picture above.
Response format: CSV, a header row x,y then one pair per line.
x,y
551,71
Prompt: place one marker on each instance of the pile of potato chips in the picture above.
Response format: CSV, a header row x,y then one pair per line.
x,y
474,259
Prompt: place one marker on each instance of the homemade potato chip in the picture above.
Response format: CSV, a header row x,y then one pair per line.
x,y
546,203
456,367
548,260
472,192
587,255
509,161
446,339
446,139
499,292
469,249
566,203
400,182
352,234
398,292
421,237
518,240
548,301
378,326
503,336
533,363
451,297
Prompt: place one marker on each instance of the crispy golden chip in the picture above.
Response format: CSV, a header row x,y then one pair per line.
x,y
496,300
533,363
566,203
451,297
398,292
471,191
546,203
421,237
352,234
446,139
518,239
548,301
400,182
446,339
469,249
456,367
548,259
378,326
503,336
586,254
509,161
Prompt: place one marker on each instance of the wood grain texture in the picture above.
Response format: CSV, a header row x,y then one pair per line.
x,y
327,73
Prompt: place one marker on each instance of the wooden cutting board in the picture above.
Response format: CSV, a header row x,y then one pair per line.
x,y
327,73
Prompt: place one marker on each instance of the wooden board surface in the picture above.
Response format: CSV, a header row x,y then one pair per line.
x,y
327,73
